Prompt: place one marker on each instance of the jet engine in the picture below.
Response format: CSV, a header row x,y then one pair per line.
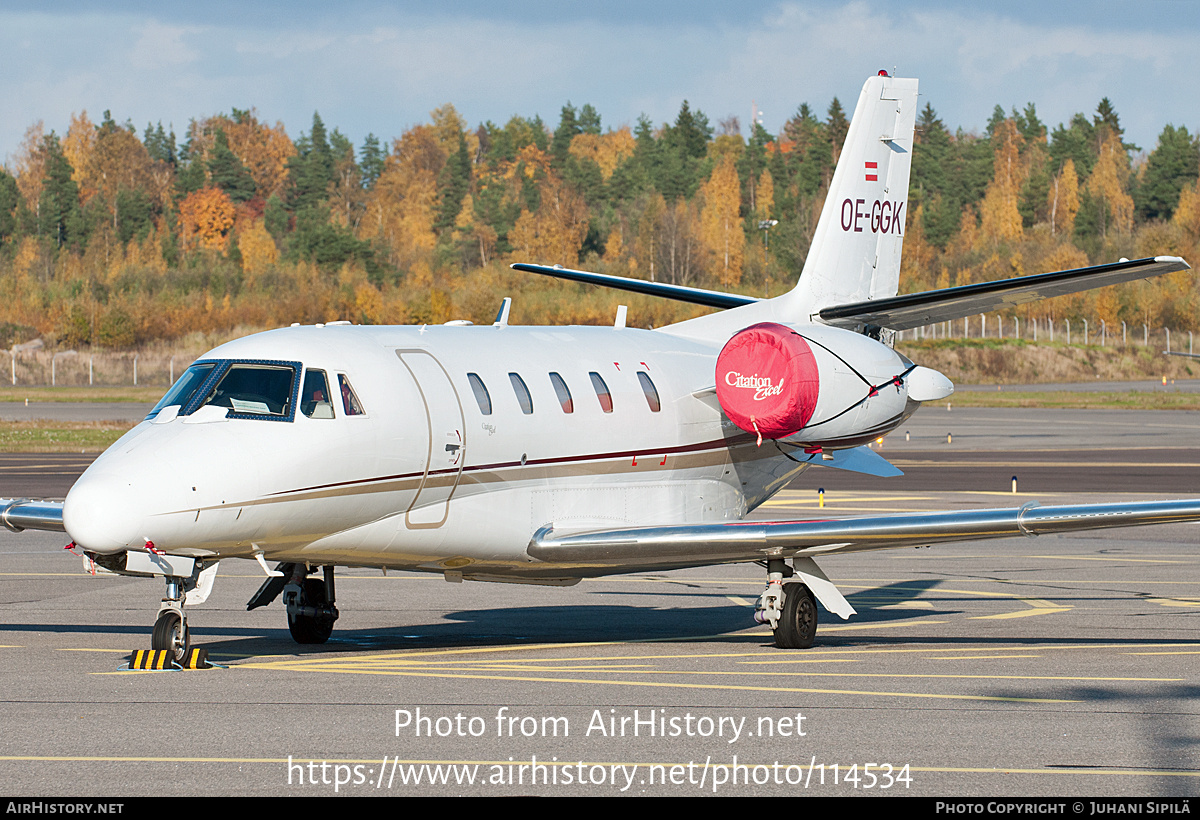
x,y
819,386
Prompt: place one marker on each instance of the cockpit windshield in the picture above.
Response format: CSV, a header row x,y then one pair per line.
x,y
183,390
255,389
247,389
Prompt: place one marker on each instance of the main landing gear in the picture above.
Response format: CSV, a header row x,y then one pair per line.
x,y
309,601
790,609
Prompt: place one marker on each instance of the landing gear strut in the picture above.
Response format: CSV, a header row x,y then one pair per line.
x,y
171,630
790,609
310,609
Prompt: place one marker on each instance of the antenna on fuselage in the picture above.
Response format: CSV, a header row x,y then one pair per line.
x,y
502,313
622,312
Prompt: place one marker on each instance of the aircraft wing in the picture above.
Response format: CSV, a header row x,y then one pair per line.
x,y
675,546
698,296
25,514
919,309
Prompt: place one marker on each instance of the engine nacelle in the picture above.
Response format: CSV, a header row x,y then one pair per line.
x,y
819,385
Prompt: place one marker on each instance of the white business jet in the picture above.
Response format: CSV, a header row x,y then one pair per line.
x,y
543,455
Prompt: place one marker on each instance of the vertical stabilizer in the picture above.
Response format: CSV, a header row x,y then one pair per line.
x,y
855,252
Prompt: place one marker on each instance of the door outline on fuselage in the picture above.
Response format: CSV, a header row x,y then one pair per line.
x,y
428,392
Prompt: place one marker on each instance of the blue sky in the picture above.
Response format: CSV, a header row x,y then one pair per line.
x,y
382,66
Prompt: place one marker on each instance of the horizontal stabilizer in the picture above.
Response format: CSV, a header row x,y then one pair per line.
x,y
23,514
919,309
857,460
691,545
697,296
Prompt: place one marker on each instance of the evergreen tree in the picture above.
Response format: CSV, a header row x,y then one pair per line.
x,y
1174,163
190,173
275,217
836,127
568,127
10,195
160,145
58,207
310,170
453,183
371,162
589,120
227,172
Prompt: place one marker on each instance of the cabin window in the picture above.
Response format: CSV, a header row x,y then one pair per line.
x,y
563,393
650,391
350,404
602,394
255,390
314,396
482,398
523,397
185,389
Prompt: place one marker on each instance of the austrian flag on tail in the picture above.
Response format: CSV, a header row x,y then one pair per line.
x,y
872,175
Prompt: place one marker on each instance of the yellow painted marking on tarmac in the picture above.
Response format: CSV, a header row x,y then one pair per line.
x,y
848,499
1039,607
75,574
979,657
11,646
740,601
1190,652
86,649
446,657
415,673
1110,559
809,673
906,605
891,625
1175,602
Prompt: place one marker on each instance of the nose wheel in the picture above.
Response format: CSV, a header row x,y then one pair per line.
x,y
171,633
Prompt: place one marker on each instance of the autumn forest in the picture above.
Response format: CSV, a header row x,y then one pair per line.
x,y
112,238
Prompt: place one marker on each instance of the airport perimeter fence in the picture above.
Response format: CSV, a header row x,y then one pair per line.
x,y
39,367
42,368
1062,331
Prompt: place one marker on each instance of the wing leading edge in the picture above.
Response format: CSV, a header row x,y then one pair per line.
x,y
697,296
674,546
24,514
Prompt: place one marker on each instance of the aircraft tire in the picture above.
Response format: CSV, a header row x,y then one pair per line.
x,y
310,629
798,626
171,633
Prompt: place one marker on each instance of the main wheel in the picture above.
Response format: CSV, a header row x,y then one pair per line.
x,y
311,628
798,625
171,633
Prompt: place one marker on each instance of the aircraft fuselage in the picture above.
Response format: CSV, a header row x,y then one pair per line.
x,y
432,476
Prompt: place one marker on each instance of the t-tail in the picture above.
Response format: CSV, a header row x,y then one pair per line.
x,y
851,276
855,252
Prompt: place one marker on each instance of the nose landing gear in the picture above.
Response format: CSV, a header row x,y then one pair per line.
x,y
170,629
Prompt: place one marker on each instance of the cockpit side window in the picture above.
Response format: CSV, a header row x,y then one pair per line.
x,y
183,390
314,396
350,404
256,391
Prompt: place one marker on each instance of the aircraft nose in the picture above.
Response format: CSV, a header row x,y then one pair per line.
x,y
99,514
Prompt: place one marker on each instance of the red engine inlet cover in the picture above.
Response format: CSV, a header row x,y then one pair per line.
x,y
767,380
